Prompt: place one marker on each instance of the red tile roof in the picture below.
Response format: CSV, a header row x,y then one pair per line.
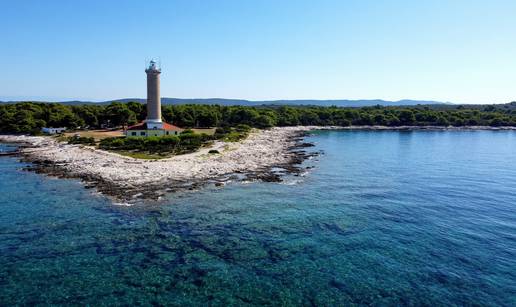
x,y
143,126
167,126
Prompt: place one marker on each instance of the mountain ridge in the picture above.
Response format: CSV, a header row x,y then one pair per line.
x,y
244,102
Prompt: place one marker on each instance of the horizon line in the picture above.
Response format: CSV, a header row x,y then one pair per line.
x,y
16,99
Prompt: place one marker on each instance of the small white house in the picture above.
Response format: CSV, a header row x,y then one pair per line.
x,y
142,129
52,130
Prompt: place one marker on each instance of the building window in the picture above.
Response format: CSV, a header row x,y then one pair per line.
x,y
167,132
142,133
133,133
175,132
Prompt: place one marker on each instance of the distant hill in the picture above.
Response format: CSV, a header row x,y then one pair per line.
x,y
242,102
312,102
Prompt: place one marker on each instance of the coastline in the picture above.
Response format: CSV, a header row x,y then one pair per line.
x,y
128,179
398,128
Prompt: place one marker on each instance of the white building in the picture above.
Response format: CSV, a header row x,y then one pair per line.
x,y
143,129
48,130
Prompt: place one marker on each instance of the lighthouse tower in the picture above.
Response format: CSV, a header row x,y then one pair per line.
x,y
153,125
153,97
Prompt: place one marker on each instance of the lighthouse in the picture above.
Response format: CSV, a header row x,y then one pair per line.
x,y
153,125
153,97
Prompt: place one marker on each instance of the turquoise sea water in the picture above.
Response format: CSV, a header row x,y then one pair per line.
x,y
383,218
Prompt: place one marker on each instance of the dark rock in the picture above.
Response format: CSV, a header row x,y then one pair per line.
x,y
304,145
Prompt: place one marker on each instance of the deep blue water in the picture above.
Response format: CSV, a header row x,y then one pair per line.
x,y
383,218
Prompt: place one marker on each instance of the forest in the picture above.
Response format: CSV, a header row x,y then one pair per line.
x,y
29,117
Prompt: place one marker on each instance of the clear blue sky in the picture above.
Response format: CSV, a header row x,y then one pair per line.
x,y
459,51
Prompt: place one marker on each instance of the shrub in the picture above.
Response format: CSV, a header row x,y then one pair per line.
x,y
169,140
112,143
178,144
243,128
234,136
137,143
190,141
229,134
81,140
151,142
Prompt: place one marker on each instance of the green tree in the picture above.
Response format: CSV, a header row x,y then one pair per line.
x,y
119,114
406,117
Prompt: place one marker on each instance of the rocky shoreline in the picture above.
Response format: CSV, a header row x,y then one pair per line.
x,y
127,179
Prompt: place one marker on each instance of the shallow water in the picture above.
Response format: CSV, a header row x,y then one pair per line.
x,y
383,218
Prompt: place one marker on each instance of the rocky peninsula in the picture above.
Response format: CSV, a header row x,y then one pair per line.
x,y
126,178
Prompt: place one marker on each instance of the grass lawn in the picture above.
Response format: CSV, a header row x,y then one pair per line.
x,y
96,134
208,131
142,155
